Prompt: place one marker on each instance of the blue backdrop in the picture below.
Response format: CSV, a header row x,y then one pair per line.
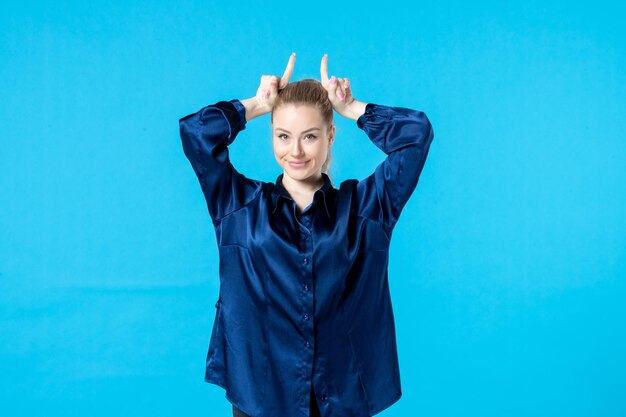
x,y
508,264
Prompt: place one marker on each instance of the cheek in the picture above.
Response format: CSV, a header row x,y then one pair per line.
x,y
320,150
279,148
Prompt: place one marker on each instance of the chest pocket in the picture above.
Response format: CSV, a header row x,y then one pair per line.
x,y
373,237
234,231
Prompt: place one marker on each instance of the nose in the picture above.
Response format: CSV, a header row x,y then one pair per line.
x,y
296,149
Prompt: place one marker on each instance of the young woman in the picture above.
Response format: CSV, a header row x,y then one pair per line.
x,y
304,324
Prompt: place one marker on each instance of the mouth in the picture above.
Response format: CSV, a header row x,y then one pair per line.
x,y
297,164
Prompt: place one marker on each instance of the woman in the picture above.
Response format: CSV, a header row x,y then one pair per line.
x,y
304,324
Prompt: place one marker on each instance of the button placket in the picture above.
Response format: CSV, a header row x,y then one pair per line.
x,y
307,296
305,235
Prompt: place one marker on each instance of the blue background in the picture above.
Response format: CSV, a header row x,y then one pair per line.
x,y
508,264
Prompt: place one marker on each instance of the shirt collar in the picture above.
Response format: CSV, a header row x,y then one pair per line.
x,y
280,191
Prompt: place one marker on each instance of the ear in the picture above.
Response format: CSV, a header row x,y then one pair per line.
x,y
331,134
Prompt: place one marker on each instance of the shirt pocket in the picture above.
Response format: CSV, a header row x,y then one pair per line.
x,y
373,237
234,231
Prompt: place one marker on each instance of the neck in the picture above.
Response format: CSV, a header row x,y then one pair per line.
x,y
307,186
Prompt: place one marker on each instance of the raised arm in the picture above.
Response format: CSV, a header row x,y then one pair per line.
x,y
405,136
205,136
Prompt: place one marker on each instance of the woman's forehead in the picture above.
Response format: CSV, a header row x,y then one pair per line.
x,y
297,116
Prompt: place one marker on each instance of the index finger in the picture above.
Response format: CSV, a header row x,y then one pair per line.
x,y
288,71
324,68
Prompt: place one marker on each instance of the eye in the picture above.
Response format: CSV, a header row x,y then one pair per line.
x,y
312,136
281,136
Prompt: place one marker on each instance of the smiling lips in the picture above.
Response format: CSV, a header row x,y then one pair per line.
x,y
297,164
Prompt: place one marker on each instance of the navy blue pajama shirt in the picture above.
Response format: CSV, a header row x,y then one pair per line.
x,y
304,298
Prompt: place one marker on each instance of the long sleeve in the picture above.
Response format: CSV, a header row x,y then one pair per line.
x,y
205,137
405,136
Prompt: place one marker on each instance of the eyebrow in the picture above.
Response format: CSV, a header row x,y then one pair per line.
x,y
308,130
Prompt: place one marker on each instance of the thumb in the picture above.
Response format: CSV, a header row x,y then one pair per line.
x,y
333,88
273,90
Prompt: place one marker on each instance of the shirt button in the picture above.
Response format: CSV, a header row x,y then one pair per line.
x,y
307,343
324,397
306,316
305,260
306,287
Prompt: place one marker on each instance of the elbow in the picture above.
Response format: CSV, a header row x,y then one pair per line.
x,y
187,135
427,128
424,134
431,133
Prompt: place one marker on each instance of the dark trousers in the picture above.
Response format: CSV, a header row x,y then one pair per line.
x,y
315,411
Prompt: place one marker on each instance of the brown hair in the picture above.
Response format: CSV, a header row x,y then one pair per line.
x,y
308,91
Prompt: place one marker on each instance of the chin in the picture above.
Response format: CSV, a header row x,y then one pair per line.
x,y
297,173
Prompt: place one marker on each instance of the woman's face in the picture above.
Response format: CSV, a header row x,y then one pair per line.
x,y
301,140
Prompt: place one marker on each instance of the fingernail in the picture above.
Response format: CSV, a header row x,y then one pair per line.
x,y
333,79
341,97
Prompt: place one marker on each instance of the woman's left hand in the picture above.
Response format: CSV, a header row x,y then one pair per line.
x,y
340,93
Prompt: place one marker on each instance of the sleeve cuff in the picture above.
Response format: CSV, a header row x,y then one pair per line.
x,y
241,110
371,109
235,112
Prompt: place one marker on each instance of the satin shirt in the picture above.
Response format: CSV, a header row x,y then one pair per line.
x,y
304,298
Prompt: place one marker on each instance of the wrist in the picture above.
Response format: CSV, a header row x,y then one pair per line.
x,y
252,108
354,110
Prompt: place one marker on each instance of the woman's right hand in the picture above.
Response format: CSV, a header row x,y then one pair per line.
x,y
267,92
